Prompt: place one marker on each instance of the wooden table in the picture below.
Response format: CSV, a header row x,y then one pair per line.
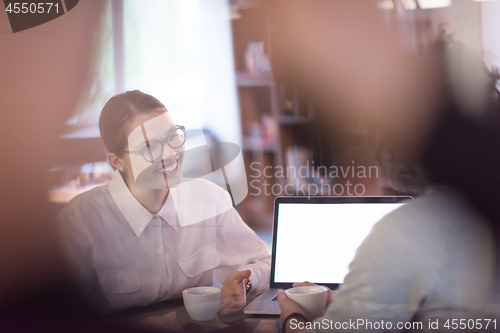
x,y
237,322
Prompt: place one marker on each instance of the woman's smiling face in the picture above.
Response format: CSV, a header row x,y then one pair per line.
x,y
159,170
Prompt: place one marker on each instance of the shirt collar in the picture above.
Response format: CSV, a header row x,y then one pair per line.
x,y
136,215
168,212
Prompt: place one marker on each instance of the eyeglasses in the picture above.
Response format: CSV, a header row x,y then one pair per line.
x,y
154,149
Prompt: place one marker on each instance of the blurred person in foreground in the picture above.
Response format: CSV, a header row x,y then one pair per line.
x,y
435,258
150,233
43,72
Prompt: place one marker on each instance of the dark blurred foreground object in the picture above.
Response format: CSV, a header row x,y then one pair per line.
x,y
465,154
463,149
55,307
43,72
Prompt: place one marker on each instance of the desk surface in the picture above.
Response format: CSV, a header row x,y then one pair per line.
x,y
237,322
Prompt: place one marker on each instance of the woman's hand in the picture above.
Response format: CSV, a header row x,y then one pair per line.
x,y
329,296
160,323
233,293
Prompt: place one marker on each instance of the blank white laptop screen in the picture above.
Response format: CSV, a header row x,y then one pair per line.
x,y
317,242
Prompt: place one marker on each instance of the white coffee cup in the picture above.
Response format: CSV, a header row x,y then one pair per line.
x,y
312,299
202,303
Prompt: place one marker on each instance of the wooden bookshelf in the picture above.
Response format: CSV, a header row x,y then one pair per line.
x,y
257,102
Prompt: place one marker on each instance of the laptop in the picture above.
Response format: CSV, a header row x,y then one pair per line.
x,y
315,239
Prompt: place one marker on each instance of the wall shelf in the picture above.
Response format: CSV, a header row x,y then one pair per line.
x,y
292,120
259,145
244,79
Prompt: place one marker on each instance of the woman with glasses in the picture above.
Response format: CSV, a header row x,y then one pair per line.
x,y
128,240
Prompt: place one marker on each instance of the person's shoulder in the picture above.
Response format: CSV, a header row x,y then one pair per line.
x,y
205,193
434,214
205,187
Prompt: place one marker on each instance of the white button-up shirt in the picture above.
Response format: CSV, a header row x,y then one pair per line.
x,y
124,256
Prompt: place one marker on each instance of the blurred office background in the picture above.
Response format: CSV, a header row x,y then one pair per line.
x,y
208,62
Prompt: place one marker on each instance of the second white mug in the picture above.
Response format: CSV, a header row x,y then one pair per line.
x,y
312,299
